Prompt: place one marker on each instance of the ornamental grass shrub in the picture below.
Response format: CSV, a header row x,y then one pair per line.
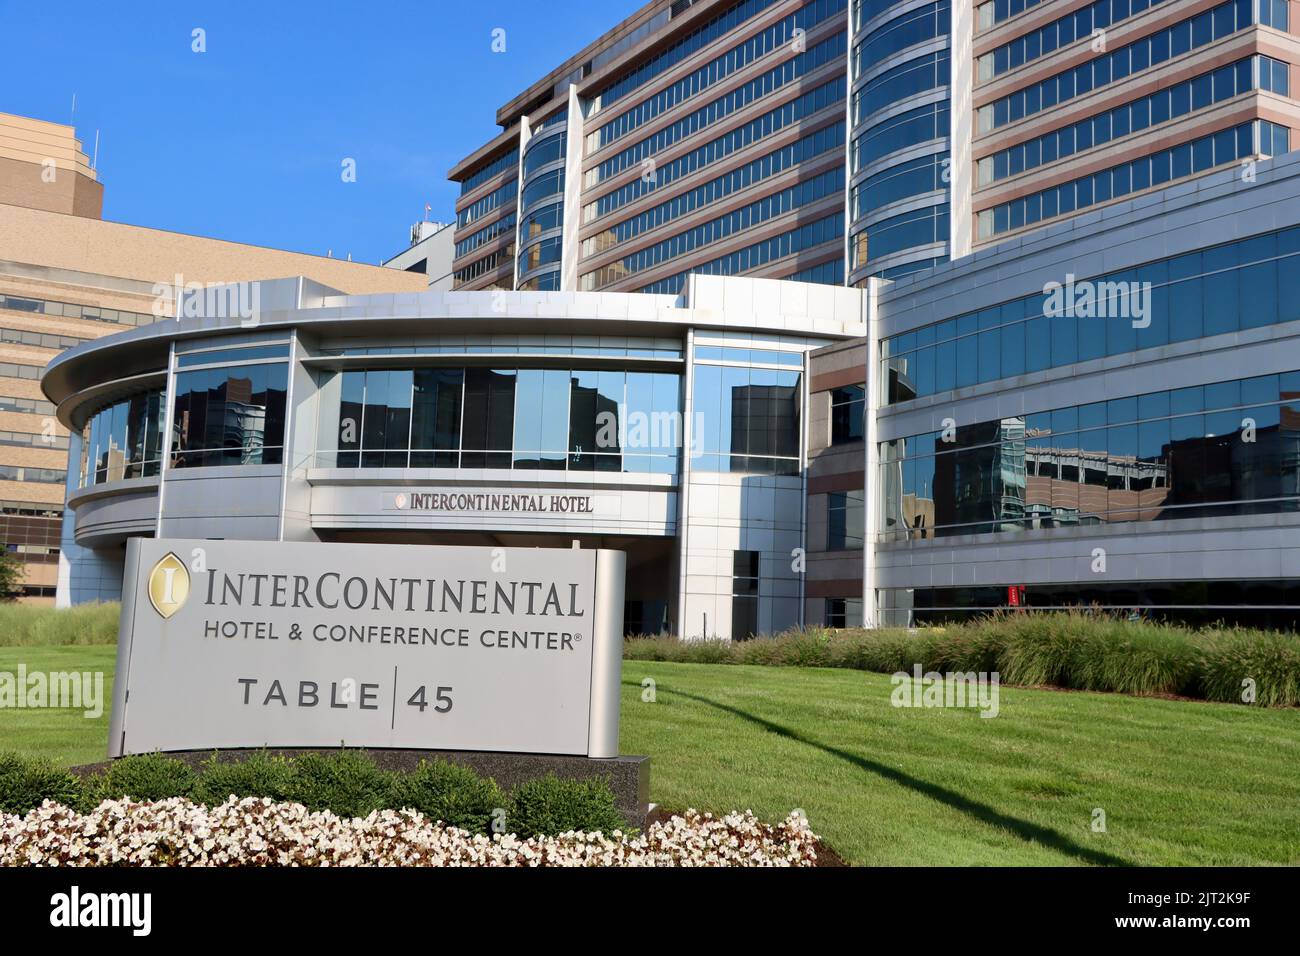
x,y
1072,649
28,625
1231,662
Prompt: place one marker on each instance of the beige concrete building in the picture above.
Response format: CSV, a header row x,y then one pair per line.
x,y
42,166
68,276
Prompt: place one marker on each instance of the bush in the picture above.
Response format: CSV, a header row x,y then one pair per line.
x,y
445,791
549,806
347,783
25,782
1082,649
141,777
261,775
1228,659
27,625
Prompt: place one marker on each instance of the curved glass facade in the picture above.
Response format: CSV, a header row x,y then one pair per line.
x,y
229,416
900,137
510,418
124,440
541,206
1226,448
1225,288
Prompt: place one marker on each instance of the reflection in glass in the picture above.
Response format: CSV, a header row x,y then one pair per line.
x,y
1237,285
229,416
748,420
124,440
1128,459
550,419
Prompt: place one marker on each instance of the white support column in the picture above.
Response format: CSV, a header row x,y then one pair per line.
x,y
961,170
69,551
684,478
872,498
570,248
525,134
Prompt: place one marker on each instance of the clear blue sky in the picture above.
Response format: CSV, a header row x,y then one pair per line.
x,y
245,142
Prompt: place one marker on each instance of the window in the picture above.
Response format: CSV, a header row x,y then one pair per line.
x,y
744,595
124,440
1185,453
748,419
845,520
843,612
1216,290
726,105
527,419
848,413
435,417
1147,52
229,416
488,418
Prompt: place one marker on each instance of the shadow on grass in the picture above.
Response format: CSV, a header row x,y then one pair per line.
x,y
1031,832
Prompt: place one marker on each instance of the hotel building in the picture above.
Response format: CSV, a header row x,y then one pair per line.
x,y
670,427
837,140
956,306
1101,412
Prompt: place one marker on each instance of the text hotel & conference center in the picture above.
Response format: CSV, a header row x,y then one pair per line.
x,y
823,312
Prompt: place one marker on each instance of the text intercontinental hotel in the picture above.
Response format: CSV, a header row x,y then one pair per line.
x,y
823,312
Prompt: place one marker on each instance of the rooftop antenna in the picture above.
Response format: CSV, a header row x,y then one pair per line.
x,y
73,118
94,163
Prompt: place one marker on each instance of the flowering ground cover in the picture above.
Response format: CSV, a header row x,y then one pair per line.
x,y
262,832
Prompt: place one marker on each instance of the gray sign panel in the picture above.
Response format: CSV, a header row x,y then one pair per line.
x,y
289,644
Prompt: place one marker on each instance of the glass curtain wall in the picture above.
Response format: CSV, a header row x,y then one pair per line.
x,y
229,416
527,419
1228,448
1227,288
124,440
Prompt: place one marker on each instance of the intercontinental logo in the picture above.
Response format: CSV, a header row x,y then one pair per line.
x,y
169,585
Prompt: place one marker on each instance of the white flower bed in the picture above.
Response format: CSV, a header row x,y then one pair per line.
x,y
261,832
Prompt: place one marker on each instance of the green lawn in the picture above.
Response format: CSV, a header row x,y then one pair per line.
x,y
66,736
1180,782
